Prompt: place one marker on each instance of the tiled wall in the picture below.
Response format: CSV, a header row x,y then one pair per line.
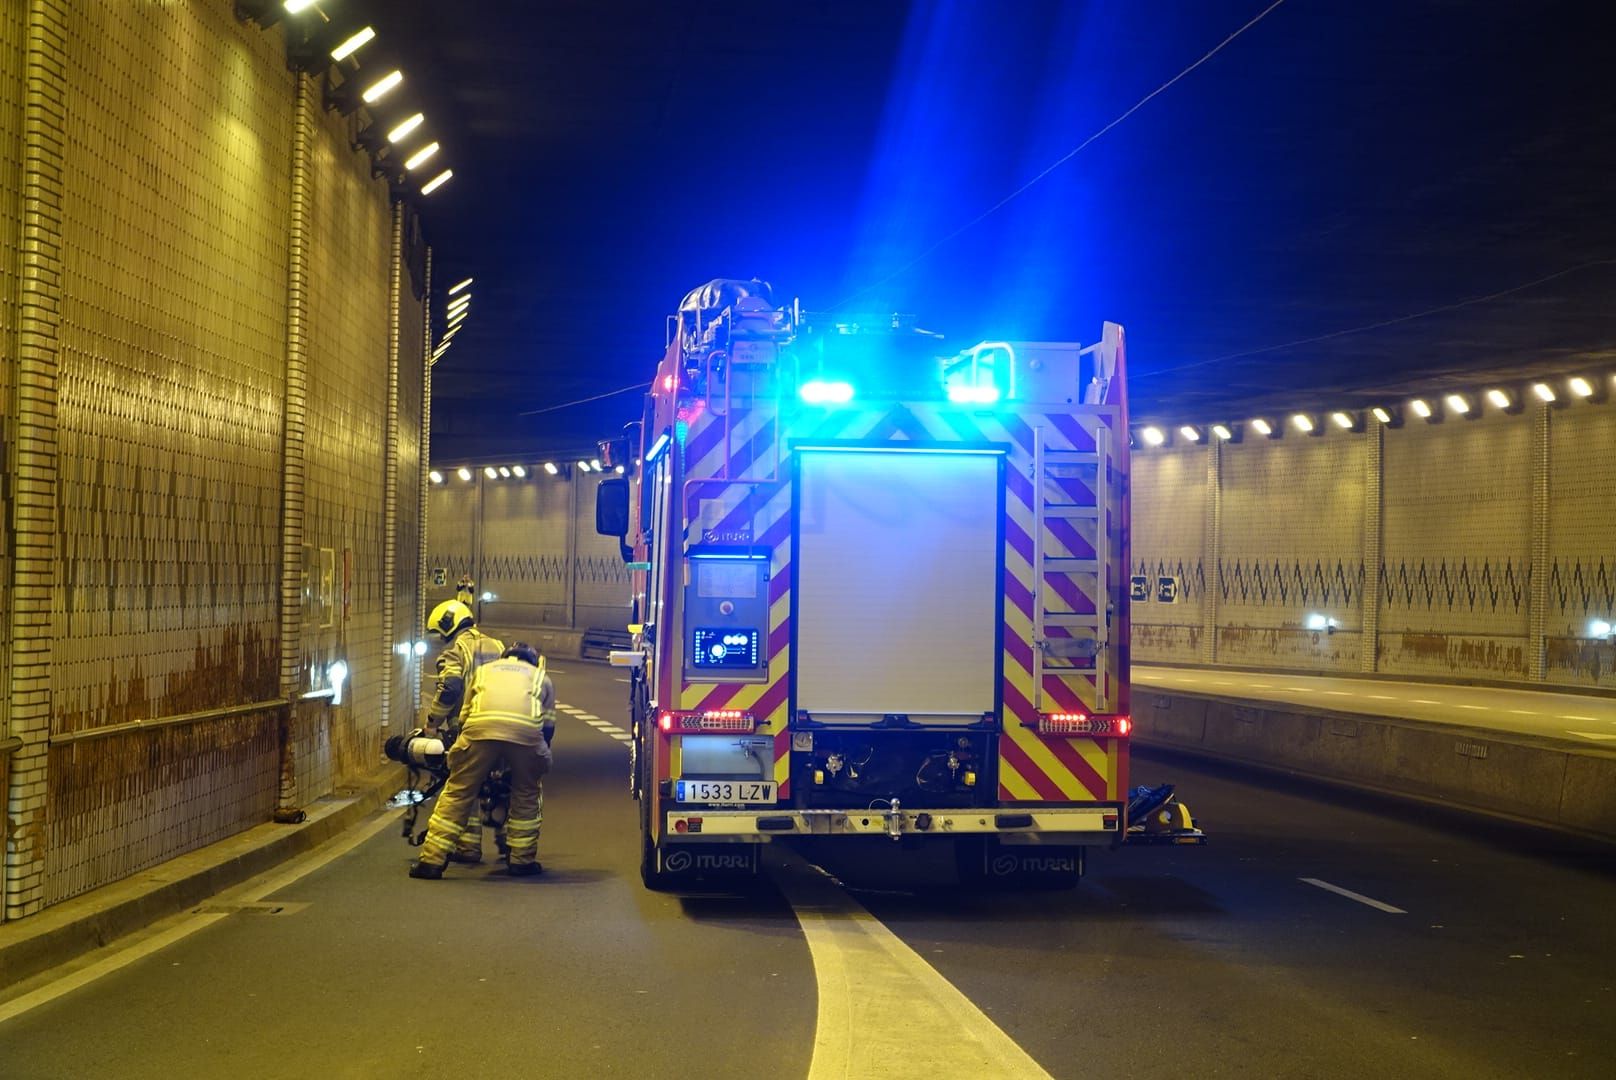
x,y
1451,589
152,453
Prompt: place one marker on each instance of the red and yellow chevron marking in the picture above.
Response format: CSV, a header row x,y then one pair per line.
x,y
1033,767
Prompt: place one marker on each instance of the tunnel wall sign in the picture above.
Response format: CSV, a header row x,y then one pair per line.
x,y
1139,589
1168,590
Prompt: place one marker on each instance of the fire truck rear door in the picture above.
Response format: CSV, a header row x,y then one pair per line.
x,y
898,585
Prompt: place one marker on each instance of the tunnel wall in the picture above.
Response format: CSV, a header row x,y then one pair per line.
x,y
1466,549
532,544
160,452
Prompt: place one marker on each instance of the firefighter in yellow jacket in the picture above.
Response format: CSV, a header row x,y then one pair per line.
x,y
466,650
512,705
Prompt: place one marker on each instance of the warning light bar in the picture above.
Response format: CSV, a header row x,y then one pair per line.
x,y
707,720
1076,723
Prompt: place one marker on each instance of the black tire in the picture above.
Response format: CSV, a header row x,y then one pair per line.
x,y
650,876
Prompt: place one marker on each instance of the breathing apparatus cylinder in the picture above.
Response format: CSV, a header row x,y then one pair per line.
x,y
418,750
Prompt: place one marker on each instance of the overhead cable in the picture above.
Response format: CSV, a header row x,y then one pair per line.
x,y
1057,163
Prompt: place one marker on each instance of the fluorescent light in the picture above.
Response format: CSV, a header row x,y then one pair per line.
x,y
1458,403
436,182
1315,621
1303,422
421,156
594,463
1381,414
462,285
550,467
518,472
505,472
353,44
294,7
463,472
402,131
1222,431
1421,408
382,86
1190,432
1153,436
1599,628
457,303
584,465
435,476
455,318
1262,427
1544,391
1581,387
490,472
1499,398
620,470
1342,420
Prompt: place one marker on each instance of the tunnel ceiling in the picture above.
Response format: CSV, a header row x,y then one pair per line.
x,y
1352,185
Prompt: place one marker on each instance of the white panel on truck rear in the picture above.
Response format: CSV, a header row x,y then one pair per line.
x,y
898,577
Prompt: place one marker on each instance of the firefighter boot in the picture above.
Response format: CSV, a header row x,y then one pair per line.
x,y
426,870
525,869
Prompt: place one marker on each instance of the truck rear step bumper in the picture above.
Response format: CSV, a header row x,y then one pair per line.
x,y
1024,825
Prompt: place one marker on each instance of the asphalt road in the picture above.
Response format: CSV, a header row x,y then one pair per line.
x,y
1262,954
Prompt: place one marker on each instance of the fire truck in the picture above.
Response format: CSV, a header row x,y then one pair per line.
x,y
880,588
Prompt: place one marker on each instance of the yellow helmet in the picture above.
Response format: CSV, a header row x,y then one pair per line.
x,y
449,618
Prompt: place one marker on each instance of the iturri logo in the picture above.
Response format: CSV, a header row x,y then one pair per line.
x,y
1007,864
682,860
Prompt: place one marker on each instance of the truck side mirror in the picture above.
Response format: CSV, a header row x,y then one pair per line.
x,y
611,507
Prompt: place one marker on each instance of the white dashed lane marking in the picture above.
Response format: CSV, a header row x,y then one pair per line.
x,y
1350,895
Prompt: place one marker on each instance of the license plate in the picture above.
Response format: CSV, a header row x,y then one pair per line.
x,y
725,791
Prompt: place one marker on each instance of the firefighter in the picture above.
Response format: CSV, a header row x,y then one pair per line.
x,y
511,707
466,648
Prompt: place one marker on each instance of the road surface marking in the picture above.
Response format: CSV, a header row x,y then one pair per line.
x,y
1298,689
586,716
250,891
623,736
1339,693
858,965
1590,719
1350,895
1477,708
597,722
1598,736
1422,701
1261,686
569,708
1380,697
1524,712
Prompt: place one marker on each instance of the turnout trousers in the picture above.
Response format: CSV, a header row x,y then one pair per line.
x,y
470,762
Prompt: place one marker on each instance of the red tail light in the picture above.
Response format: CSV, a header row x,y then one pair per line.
x,y
724,720
1076,723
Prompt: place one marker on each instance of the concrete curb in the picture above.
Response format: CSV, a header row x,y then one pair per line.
x,y
75,927
1516,776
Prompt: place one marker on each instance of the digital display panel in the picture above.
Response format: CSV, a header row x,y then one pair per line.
x,y
727,579
726,647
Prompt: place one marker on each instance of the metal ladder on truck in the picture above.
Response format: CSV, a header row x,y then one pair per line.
x,y
1086,636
